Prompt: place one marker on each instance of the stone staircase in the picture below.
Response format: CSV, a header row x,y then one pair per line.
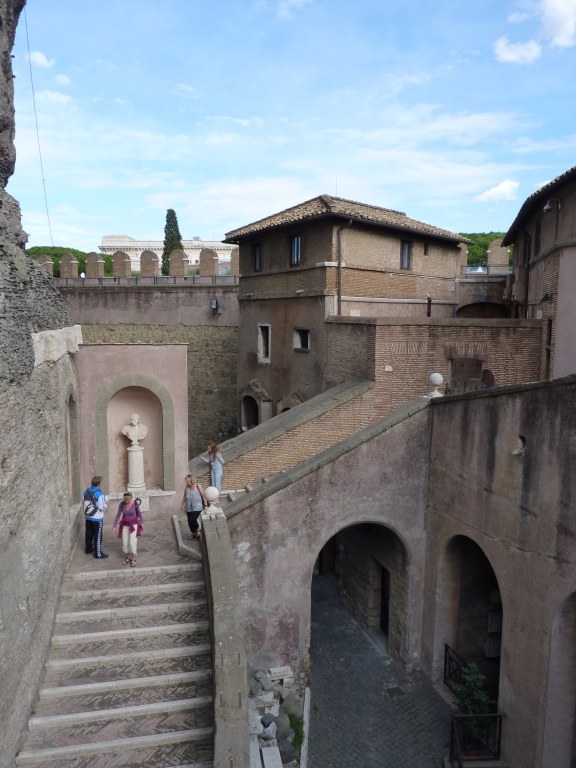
x,y
128,679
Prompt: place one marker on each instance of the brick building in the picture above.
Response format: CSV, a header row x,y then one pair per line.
x,y
544,238
329,257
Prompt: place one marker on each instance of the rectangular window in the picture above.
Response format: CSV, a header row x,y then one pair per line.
x,y
301,339
264,335
295,251
426,248
405,254
257,257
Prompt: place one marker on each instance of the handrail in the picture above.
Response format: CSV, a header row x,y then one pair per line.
x,y
452,666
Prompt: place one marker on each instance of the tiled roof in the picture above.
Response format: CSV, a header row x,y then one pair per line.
x,y
326,206
535,201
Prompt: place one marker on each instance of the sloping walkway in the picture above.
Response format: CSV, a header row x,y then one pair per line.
x,y
128,680
367,711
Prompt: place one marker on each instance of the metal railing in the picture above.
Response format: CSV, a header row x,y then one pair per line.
x,y
452,667
474,738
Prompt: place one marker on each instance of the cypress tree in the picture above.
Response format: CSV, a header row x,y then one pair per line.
x,y
172,239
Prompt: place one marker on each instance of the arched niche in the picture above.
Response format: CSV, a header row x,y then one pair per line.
x,y
157,406
469,612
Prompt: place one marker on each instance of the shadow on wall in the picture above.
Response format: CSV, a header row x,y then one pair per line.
x,y
121,406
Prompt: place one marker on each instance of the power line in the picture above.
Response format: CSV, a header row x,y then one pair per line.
x,y
37,130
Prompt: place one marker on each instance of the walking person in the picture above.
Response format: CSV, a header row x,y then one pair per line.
x,y
193,501
94,504
215,460
129,518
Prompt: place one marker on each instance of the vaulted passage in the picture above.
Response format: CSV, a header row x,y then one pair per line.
x,y
364,704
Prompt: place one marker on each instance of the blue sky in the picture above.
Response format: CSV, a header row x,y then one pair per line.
x,y
229,111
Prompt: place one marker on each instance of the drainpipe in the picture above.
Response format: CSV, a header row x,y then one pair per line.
x,y
339,276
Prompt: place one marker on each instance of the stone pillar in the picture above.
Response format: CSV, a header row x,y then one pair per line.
x,y
94,265
121,264
235,262
68,266
178,263
149,264
208,262
136,483
46,262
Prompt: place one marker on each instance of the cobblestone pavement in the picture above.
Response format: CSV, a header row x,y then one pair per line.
x,y
367,711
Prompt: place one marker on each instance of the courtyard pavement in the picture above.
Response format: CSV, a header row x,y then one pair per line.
x,y
366,710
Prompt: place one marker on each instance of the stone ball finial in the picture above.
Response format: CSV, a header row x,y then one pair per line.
x,y
212,494
436,380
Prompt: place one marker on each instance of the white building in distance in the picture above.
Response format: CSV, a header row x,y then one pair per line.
x,y
112,243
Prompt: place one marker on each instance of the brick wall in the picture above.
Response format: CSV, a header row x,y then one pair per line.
x,y
211,372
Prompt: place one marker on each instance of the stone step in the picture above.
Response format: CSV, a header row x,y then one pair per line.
x,y
149,616
123,693
81,646
139,576
172,748
118,723
127,665
74,600
131,612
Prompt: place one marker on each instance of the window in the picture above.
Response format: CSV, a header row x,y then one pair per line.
x,y
264,333
405,254
301,339
257,257
295,251
426,248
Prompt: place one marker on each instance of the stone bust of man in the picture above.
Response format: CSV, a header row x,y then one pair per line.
x,y
135,431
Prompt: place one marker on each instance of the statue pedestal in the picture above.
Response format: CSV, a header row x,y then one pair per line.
x,y
136,470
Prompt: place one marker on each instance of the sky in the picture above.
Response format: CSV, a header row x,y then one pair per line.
x,y
228,111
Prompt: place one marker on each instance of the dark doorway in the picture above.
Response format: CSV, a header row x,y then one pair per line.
x,y
250,413
384,600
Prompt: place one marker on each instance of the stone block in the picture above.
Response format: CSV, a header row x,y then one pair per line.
x,y
271,757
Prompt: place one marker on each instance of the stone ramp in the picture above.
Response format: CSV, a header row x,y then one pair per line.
x,y
128,679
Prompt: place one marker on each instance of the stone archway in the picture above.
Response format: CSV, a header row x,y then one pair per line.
x,y
560,724
368,563
166,405
469,613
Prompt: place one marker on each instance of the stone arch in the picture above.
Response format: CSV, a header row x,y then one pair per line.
x,y
483,310
101,424
250,412
469,609
370,563
560,717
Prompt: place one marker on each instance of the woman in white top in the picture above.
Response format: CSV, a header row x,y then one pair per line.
x,y
216,462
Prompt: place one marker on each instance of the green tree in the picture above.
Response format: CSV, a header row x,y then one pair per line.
x,y
480,244
172,239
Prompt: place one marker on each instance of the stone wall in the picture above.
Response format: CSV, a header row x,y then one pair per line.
x,y
39,488
211,372
501,476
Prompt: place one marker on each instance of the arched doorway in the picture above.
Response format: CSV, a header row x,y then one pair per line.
x,y
250,412
368,565
560,725
469,609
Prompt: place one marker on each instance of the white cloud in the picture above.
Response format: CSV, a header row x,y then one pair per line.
x,y
287,8
186,91
53,97
506,190
41,60
63,80
517,53
559,22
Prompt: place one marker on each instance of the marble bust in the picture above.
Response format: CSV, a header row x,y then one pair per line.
x,y
135,431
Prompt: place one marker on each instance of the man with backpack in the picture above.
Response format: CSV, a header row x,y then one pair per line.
x,y
95,504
